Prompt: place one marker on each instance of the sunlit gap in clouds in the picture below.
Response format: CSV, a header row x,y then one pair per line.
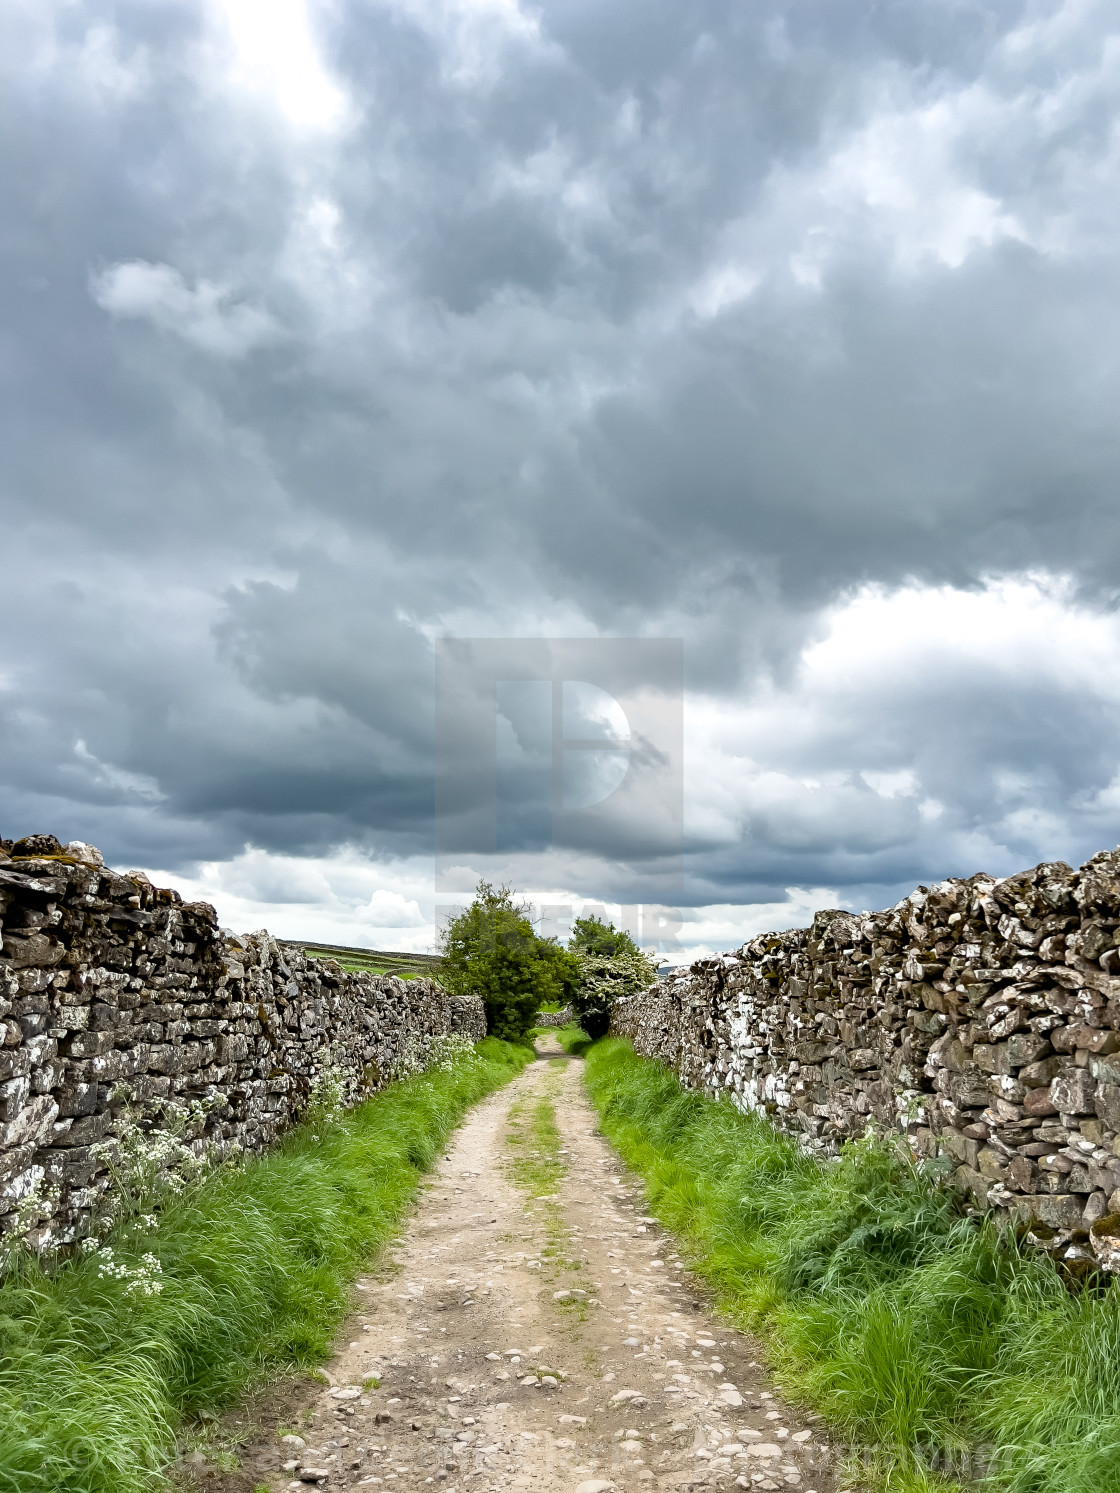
x,y
274,55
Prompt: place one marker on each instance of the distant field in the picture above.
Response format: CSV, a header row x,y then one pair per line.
x,y
375,961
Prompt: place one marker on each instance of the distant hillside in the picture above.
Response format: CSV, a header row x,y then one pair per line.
x,y
376,961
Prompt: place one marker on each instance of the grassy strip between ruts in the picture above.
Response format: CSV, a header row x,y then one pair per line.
x,y
930,1341
537,1166
255,1266
535,1145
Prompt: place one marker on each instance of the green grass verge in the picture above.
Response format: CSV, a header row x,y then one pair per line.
x,y
256,1264
926,1338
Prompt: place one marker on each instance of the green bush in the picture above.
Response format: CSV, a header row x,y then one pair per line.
x,y
246,1275
928,1337
492,950
593,936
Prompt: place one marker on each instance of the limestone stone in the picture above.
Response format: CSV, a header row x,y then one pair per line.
x,y
1107,1105
1075,1093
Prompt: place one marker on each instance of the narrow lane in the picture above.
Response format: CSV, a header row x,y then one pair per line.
x,y
532,1329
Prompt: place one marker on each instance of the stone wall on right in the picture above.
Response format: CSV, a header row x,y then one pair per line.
x,y
979,1017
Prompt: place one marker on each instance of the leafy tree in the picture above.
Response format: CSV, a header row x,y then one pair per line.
x,y
610,965
492,950
593,936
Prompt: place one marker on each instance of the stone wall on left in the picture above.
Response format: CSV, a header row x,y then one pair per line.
x,y
116,995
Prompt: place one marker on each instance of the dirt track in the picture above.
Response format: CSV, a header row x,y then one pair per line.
x,y
491,1377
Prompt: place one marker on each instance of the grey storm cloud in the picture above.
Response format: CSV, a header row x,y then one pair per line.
x,y
659,319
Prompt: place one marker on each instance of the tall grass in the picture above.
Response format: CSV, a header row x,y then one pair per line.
x,y
928,1338
572,1038
255,1265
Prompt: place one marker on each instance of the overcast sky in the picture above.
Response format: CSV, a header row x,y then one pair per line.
x,y
789,328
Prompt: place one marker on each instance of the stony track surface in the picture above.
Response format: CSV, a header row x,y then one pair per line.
x,y
528,1341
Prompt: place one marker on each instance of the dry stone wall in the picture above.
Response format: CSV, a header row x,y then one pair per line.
x,y
115,993
980,1017
554,1018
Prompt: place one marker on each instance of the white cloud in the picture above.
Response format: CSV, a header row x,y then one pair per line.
x,y
99,60
345,898
721,927
901,178
204,316
725,285
901,784
1032,626
929,674
1103,800
904,182
128,785
272,54
110,75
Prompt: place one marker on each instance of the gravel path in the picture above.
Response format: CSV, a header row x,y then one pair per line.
x,y
538,1342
